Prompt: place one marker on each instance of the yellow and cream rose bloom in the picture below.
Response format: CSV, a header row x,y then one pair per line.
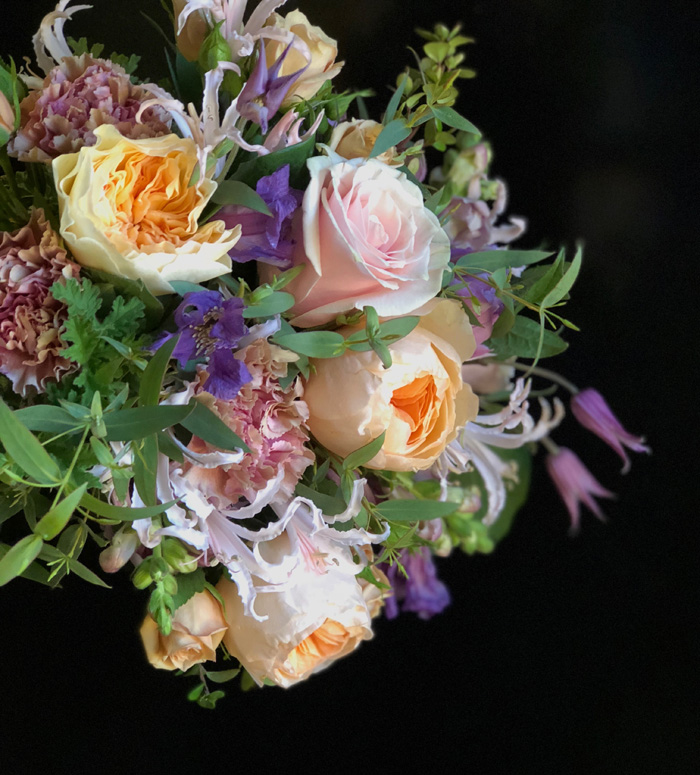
x,y
127,208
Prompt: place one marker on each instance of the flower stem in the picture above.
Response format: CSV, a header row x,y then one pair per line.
x,y
538,371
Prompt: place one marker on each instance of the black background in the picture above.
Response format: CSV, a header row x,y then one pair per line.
x,y
558,654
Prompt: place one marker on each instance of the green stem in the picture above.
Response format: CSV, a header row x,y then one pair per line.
x,y
538,371
69,472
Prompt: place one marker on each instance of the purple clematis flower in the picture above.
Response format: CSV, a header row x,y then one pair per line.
x,y
211,327
490,308
422,592
264,91
265,238
576,485
593,412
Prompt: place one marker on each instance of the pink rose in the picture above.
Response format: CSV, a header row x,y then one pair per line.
x,y
368,240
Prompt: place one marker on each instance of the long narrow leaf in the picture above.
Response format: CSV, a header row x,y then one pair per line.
x,y
55,519
24,448
19,558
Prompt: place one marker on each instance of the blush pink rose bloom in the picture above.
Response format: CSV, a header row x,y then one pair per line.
x,y
368,240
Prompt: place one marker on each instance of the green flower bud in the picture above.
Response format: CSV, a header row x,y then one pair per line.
x,y
177,557
142,576
215,49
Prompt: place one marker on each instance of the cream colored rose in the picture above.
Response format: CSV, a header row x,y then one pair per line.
x,y
127,208
355,140
198,627
420,400
323,51
193,33
314,620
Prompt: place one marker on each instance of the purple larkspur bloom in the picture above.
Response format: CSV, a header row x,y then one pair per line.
x,y
487,312
422,592
576,485
592,411
263,237
211,327
265,91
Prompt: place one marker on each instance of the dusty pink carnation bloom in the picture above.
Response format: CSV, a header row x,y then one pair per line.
x,y
79,95
31,260
271,420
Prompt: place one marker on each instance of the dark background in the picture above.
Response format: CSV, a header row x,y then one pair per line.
x,y
558,654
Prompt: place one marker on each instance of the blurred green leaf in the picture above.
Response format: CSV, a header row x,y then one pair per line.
x,y
25,449
56,518
19,558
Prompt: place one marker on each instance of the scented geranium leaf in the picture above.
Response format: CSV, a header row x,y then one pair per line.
x,y
25,449
523,341
364,454
49,419
132,289
152,380
274,304
202,422
188,584
491,260
400,510
121,513
314,344
19,557
450,117
235,192
57,517
123,319
132,424
392,134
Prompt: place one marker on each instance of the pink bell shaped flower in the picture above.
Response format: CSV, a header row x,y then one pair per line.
x,y
576,485
593,412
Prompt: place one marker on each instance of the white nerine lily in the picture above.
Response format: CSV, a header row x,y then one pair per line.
x,y
471,447
49,42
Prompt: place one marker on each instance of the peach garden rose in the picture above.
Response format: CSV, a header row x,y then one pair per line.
x,y
420,401
127,208
368,240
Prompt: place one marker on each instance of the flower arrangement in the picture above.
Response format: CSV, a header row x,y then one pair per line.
x,y
269,355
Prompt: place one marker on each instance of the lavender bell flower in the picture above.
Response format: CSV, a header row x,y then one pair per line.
x,y
211,326
593,412
263,237
576,485
422,592
490,308
264,91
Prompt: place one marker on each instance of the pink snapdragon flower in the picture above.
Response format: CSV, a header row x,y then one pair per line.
x,y
592,411
576,485
31,260
75,98
271,420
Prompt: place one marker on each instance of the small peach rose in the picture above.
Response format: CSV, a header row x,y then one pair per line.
x,y
355,140
323,51
127,208
198,627
368,240
420,401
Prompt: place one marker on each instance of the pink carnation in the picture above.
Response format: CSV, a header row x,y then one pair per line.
x,y
79,95
31,260
271,420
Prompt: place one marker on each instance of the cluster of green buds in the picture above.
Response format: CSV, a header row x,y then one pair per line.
x,y
462,527
465,168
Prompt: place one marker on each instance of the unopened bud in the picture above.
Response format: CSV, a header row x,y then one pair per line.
x,y
7,115
120,551
177,556
142,576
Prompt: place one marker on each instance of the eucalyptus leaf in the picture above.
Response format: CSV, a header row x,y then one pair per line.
x,y
181,287
295,155
395,100
86,574
25,449
523,341
392,134
222,676
274,304
152,378
314,344
329,505
409,510
50,419
450,117
133,424
364,454
491,260
19,557
146,468
565,283
236,192
202,422
122,513
56,518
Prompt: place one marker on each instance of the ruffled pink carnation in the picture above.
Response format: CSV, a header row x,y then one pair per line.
x,y
79,95
31,260
271,420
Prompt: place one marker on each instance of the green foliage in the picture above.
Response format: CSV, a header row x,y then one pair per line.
x,y
255,167
81,46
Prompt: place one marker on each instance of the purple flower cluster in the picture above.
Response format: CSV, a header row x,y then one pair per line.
x,y
421,592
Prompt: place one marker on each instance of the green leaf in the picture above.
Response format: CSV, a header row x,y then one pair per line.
x,y
181,287
86,574
50,419
188,585
314,344
450,117
222,676
396,328
19,558
153,309
517,495
122,513
274,304
295,155
9,506
132,424
523,341
56,518
235,192
202,422
395,100
328,504
409,510
24,448
565,283
152,379
364,454
146,469
392,134
491,260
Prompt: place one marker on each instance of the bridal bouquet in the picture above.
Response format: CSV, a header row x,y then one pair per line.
x,y
269,355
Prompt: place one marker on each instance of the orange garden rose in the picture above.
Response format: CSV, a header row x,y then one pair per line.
x,y
420,401
127,208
